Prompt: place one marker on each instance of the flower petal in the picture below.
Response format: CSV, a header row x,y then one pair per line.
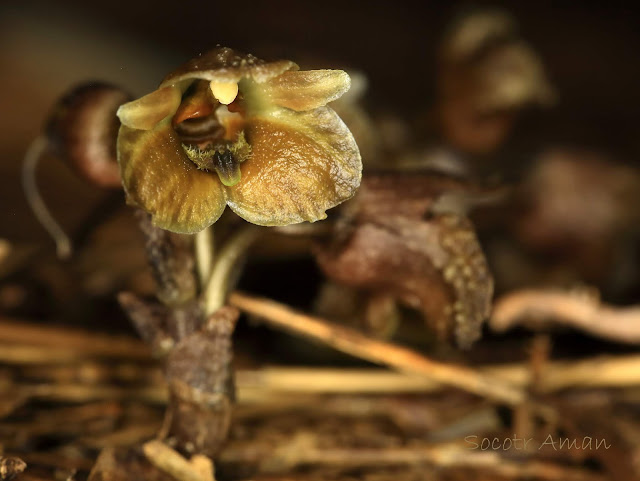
x,y
302,164
226,65
158,177
146,112
306,90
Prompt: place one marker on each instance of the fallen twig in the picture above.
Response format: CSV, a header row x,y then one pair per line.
x,y
89,392
96,344
354,343
171,462
601,372
293,386
543,307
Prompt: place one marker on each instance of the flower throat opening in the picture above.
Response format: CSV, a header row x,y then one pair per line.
x,y
212,133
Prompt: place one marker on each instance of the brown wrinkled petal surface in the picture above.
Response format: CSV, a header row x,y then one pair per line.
x,y
307,90
301,165
200,378
396,258
467,274
407,194
223,64
146,112
435,266
159,177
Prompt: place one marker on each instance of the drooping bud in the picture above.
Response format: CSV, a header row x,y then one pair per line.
x,y
83,129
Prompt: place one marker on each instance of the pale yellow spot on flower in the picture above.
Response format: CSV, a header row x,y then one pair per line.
x,y
224,92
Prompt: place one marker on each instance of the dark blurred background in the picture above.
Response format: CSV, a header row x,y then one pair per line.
x,y
590,52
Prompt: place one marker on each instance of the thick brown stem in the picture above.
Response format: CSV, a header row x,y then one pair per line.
x,y
196,350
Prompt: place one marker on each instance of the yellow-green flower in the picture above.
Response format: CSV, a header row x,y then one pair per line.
x,y
230,129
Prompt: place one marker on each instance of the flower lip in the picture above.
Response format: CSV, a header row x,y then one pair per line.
x,y
198,130
212,137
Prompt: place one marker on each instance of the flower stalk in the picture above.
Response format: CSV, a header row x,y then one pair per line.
x,y
218,287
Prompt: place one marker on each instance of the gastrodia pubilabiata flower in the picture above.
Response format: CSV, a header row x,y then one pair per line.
x,y
230,129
